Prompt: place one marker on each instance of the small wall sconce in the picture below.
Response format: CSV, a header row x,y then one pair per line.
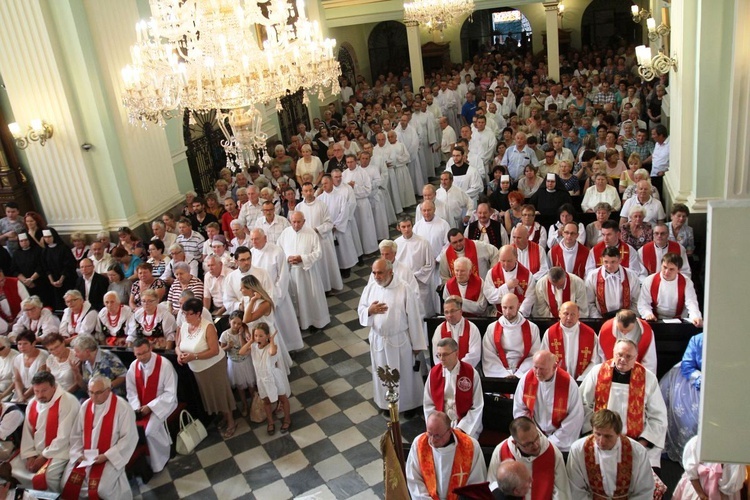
x,y
655,32
38,131
639,15
650,68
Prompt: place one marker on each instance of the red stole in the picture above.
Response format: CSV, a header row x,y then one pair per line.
x,y
39,481
462,462
14,300
463,340
607,339
680,293
464,388
470,252
473,287
560,400
72,487
579,267
522,275
147,392
586,338
525,332
542,471
601,296
623,247
649,255
534,261
551,296
594,471
636,395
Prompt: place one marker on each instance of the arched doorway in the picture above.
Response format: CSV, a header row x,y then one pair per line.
x,y
608,23
346,60
494,26
388,48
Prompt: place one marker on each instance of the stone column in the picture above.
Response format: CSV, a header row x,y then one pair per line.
x,y
415,54
553,44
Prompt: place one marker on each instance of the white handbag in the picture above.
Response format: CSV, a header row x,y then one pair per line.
x,y
192,432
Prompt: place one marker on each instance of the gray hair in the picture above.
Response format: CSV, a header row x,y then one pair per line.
x,y
105,381
388,244
448,342
176,247
33,301
181,266
73,294
116,296
85,343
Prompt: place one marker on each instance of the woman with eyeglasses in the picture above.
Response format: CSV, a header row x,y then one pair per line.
x,y
34,318
198,347
145,281
152,321
59,361
157,259
79,318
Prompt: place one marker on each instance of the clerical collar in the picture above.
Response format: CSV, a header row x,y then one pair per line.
x,y
620,377
571,329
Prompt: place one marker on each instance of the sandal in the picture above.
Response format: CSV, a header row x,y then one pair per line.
x,y
285,427
271,429
229,432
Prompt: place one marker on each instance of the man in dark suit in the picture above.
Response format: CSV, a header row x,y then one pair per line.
x,y
92,285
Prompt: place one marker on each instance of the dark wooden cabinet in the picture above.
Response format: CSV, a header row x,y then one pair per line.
x,y
14,186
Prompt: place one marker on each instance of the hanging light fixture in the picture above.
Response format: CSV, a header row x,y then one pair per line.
x,y
219,55
437,15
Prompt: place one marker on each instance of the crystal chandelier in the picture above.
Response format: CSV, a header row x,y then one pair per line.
x,y
206,55
437,15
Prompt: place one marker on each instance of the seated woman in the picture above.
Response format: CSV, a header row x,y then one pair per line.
x,y
282,160
627,178
680,388
513,214
636,232
152,321
708,481
131,243
222,191
7,355
279,181
269,194
594,229
219,249
59,361
128,263
157,259
214,206
187,210
569,181
183,281
34,318
80,248
530,182
679,230
118,283
145,281
177,253
600,192
114,318
566,214
79,318
25,365
639,175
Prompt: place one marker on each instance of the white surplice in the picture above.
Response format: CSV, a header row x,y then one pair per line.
x,y
577,294
114,482
474,355
346,252
471,423
457,203
495,294
363,212
306,286
570,347
613,286
233,282
377,205
666,299
487,256
318,220
417,255
435,232
161,406
346,191
394,335
33,443
512,344
477,307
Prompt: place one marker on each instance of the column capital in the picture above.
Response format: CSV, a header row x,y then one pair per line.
x,y
411,24
550,6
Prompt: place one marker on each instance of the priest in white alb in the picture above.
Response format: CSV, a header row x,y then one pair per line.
x,y
409,137
359,180
318,220
346,192
549,396
457,202
45,442
271,258
556,288
467,285
432,228
377,204
482,255
626,325
346,251
509,343
396,337
530,254
611,287
101,444
416,253
464,332
232,283
301,245
668,294
441,460
151,384
529,446
454,387
575,344
510,277
570,254
623,385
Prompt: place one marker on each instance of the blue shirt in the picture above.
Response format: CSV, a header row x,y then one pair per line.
x,y
468,110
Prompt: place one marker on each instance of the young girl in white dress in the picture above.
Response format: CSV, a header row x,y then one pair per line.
x,y
273,384
239,368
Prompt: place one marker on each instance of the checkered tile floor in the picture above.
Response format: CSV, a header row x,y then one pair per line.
x,y
332,450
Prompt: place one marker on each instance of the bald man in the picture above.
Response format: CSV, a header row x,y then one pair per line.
x,y
549,396
469,287
509,343
509,276
530,254
429,193
301,246
513,480
432,228
575,344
